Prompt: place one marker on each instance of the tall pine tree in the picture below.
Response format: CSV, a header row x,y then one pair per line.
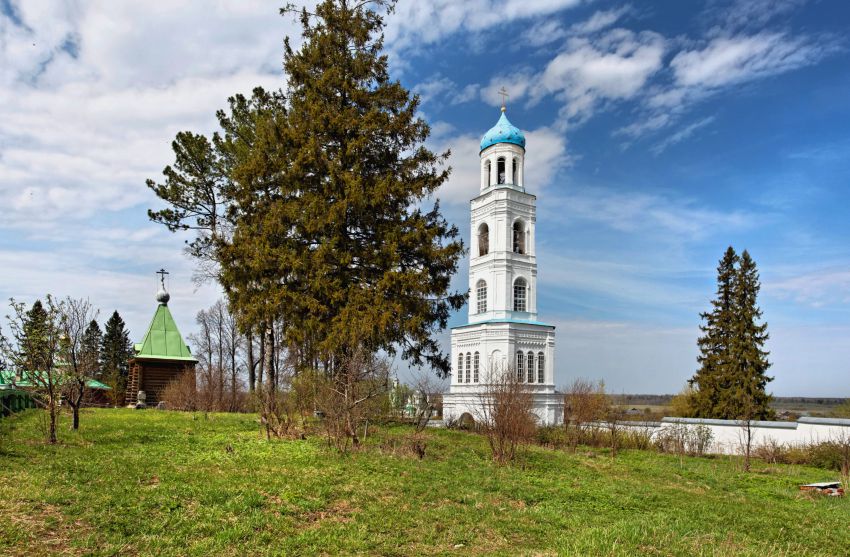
x,y
115,351
730,383
314,206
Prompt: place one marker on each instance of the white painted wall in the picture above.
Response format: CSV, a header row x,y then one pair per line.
x,y
727,435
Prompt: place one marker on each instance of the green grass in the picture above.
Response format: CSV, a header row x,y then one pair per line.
x,y
168,483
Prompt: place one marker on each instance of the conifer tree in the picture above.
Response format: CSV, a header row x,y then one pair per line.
x,y
92,339
748,361
330,224
730,383
115,351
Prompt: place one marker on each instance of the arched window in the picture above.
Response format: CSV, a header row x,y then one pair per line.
x,y
460,368
515,171
540,368
531,367
520,289
468,366
487,167
483,239
520,367
481,296
476,362
519,237
500,170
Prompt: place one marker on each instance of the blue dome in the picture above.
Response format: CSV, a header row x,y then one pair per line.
x,y
503,132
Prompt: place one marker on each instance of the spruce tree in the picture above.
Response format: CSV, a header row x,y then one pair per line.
x,y
116,349
713,344
730,383
748,361
90,350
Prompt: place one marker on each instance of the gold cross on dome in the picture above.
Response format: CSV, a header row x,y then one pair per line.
x,y
504,93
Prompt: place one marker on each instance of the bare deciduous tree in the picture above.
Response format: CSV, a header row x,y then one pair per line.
x,y
505,412
79,364
218,346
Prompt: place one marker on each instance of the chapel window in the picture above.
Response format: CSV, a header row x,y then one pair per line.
x,y
476,362
483,239
531,367
468,366
520,289
460,368
519,237
500,169
481,296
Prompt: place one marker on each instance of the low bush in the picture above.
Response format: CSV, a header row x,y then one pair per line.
x,y
684,440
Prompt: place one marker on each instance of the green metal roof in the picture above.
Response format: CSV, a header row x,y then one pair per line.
x,y
7,377
163,340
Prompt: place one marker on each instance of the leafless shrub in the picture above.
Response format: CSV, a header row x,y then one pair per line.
x,y
505,413
585,402
182,394
770,450
348,394
682,439
842,443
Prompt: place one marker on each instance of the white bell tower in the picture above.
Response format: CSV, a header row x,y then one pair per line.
x,y
503,332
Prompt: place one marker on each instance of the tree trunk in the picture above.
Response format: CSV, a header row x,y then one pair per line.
x,y
252,372
51,432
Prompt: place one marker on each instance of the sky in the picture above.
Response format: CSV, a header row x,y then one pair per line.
x,y
658,134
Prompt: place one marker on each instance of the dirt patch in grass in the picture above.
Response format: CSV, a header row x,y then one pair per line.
x,y
339,512
40,529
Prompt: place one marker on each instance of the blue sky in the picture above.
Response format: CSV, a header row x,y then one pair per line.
x,y
658,134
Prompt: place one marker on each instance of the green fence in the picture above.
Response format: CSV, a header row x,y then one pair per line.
x,y
13,400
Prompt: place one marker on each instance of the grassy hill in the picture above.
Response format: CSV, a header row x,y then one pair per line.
x,y
167,483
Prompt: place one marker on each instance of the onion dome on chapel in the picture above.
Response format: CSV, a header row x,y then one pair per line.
x,y
503,132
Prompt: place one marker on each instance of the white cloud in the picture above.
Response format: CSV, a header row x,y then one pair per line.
x,y
652,214
113,267
681,135
600,20
729,60
421,23
614,66
820,288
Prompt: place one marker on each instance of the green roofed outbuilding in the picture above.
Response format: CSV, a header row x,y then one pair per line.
x,y
160,358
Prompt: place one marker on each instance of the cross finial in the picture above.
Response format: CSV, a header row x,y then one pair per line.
x,y
162,273
504,93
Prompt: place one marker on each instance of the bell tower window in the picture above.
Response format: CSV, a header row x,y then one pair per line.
x,y
500,169
487,167
514,171
520,289
519,237
481,296
483,239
